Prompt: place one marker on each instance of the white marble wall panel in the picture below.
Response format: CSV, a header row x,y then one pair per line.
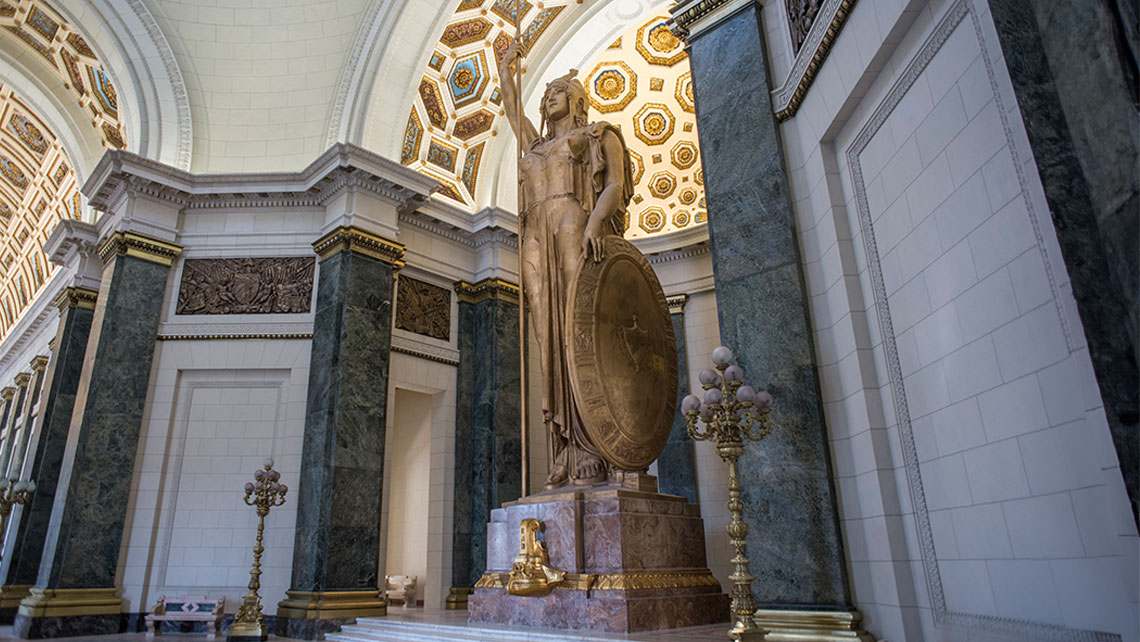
x,y
408,452
217,409
972,457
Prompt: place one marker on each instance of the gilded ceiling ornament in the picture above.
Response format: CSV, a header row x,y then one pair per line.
x,y
662,184
60,173
433,103
688,196
112,136
473,125
652,219
511,10
638,166
28,133
80,45
684,92
104,91
13,173
468,79
465,32
683,155
413,136
471,167
681,218
655,84
7,10
657,44
613,86
72,67
653,124
442,155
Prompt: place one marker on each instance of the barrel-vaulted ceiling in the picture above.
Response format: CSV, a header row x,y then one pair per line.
x,y
38,187
36,26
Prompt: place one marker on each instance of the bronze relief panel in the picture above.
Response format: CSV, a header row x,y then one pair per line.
x,y
273,285
801,15
423,308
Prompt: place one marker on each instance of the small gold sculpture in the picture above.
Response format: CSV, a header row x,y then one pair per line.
x,y
605,339
263,494
530,574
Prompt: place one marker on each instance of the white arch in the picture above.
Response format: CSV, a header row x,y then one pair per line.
x,y
153,102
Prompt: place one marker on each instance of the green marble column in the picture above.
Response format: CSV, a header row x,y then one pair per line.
x,y
19,569
488,448
7,427
676,466
789,498
75,587
15,423
337,546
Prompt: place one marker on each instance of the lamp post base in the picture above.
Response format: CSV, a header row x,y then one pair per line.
x,y
247,632
825,626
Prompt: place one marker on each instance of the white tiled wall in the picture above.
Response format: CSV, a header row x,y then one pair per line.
x,y
408,451
217,410
1013,475
437,380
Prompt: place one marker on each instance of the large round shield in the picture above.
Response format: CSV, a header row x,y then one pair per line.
x,y
621,355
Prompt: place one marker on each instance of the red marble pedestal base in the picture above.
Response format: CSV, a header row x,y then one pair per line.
x,y
635,561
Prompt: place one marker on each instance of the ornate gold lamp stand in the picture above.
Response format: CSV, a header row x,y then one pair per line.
x,y
263,493
730,414
13,492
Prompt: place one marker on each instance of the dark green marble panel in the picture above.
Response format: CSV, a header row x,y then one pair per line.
x,y
60,386
676,468
339,493
488,459
86,527
795,548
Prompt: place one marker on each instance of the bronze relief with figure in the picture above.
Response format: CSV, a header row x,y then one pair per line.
x,y
605,339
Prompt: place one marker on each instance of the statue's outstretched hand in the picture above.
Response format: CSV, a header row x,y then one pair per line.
x,y
592,242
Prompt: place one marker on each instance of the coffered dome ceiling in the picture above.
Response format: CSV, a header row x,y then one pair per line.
x,y
640,83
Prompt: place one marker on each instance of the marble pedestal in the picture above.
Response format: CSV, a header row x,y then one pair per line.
x,y
635,561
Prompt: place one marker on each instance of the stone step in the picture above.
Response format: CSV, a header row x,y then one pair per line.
x,y
394,630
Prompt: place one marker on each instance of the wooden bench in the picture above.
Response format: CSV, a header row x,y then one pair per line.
x,y
186,608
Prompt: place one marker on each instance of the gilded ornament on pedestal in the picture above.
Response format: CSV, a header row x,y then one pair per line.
x,y
531,575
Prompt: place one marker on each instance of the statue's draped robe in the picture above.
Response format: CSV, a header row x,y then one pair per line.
x,y
560,181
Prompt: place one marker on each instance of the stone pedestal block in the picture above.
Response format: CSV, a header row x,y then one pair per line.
x,y
634,561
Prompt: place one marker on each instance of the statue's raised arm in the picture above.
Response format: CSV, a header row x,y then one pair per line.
x,y
524,130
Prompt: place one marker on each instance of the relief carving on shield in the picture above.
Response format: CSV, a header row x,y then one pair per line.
x,y
271,285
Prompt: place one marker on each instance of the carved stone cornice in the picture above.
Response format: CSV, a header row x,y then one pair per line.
x,y
677,303
786,100
120,174
22,379
692,17
39,363
76,297
139,246
354,239
7,393
489,288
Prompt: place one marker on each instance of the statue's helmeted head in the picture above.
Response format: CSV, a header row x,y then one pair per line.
x,y
577,101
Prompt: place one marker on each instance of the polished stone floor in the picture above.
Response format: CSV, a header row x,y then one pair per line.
x,y
447,618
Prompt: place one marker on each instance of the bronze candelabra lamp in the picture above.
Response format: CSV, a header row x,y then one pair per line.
x,y
263,493
731,413
13,492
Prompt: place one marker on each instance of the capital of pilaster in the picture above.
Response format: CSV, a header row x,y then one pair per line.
x,y
76,297
677,303
7,393
347,238
22,379
489,288
39,363
139,246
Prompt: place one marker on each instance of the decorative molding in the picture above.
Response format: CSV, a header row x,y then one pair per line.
x,y
786,100
630,581
698,249
676,303
39,363
361,41
22,378
423,308
211,329
139,246
347,238
406,345
76,297
958,11
270,285
489,288
692,17
177,82
7,393
230,337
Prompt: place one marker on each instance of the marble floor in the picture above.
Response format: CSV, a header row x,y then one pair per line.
x,y
451,618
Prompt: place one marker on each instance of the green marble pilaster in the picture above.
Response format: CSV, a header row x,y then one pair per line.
x,y
676,466
75,588
19,467
337,546
789,501
15,425
19,569
6,427
488,449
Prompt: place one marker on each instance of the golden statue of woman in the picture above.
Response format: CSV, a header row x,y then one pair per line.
x,y
575,182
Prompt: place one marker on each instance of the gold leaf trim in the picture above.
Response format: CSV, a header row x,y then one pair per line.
x,y
634,581
489,288
139,246
357,240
